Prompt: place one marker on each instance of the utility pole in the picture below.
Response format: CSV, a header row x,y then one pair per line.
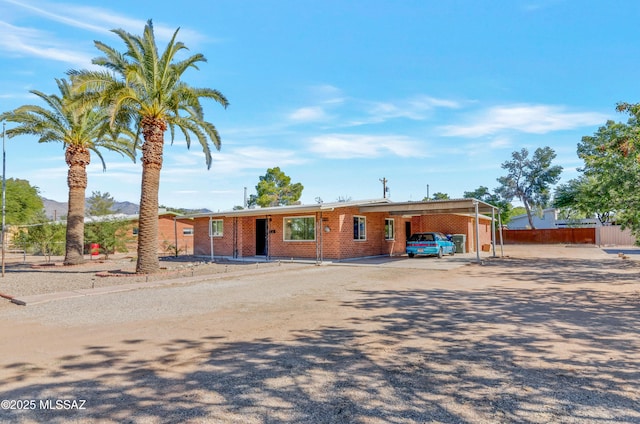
x,y
427,191
384,182
4,194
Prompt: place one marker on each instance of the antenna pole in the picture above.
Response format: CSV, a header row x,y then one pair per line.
x,y
384,182
4,194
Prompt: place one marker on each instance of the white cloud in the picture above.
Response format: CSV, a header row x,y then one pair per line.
x,y
416,108
308,114
500,143
64,17
428,102
346,146
90,18
329,99
327,94
253,157
24,41
32,42
534,119
102,20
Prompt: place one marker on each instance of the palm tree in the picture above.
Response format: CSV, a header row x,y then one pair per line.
x,y
82,131
145,88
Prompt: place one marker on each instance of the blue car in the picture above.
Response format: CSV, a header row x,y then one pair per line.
x,y
430,244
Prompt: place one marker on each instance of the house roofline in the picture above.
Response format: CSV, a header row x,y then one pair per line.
x,y
282,210
449,206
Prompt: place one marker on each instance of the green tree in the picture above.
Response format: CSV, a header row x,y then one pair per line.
x,y
517,211
23,203
584,197
43,237
529,179
482,193
81,131
275,189
110,234
144,87
611,172
438,196
99,204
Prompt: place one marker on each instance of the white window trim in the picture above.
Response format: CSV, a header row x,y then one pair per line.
x,y
211,234
284,226
393,236
189,233
364,218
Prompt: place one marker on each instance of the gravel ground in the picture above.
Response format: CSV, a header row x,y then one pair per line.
x,y
33,275
546,336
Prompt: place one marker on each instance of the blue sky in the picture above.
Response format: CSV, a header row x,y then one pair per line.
x,y
340,94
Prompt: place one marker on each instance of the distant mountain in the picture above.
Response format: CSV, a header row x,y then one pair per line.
x,y
57,210
54,210
126,208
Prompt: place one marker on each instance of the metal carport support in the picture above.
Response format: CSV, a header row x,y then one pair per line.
x,y
449,206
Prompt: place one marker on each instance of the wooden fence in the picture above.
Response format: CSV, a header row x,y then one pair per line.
x,y
551,236
602,236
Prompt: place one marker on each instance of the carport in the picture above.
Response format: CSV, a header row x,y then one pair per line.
x,y
450,206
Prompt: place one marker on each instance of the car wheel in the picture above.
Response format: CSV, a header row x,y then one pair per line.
x,y
440,253
453,250
411,255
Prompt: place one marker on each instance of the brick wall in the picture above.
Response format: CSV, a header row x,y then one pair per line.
x,y
166,235
337,243
375,243
454,224
222,245
167,230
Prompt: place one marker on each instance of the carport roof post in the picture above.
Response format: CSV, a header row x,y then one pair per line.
x,y
470,206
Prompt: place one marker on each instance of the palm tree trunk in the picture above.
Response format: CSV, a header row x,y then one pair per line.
x,y
77,158
153,131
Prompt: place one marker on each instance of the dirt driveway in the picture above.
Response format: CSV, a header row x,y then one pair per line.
x,y
550,335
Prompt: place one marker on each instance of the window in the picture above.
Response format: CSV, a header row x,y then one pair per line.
x,y
389,229
359,228
300,228
216,228
187,231
135,231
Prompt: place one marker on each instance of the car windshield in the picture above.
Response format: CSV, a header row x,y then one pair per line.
x,y
422,237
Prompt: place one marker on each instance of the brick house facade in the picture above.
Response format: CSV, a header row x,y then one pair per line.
x,y
264,233
171,230
456,224
330,231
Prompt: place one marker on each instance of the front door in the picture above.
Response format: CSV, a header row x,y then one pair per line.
x,y
261,237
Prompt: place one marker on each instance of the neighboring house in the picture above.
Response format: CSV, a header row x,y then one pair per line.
x,y
549,220
172,231
336,231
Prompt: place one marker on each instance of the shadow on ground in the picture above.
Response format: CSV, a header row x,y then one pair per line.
x,y
564,270
498,355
